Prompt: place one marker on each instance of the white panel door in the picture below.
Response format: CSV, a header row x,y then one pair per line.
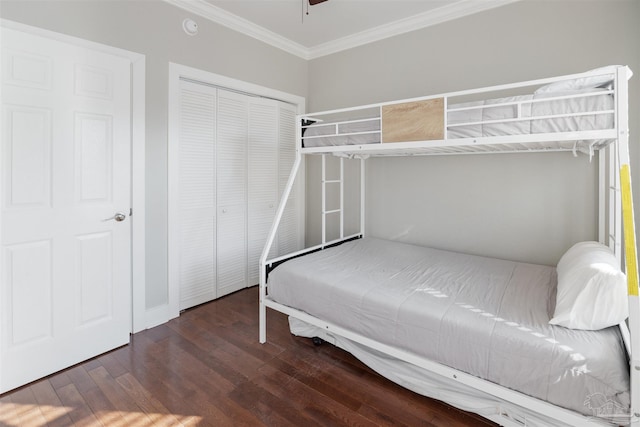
x,y
65,274
231,180
263,179
197,194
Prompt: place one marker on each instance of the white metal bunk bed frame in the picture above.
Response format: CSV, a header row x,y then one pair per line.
x,y
615,202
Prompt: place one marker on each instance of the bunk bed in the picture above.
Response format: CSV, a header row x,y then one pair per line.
x,y
460,328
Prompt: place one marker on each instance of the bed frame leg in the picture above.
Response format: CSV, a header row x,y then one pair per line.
x,y
263,316
263,324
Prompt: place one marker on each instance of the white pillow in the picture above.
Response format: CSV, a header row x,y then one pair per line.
x,y
582,82
592,291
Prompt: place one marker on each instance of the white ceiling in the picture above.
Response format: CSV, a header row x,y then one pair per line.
x,y
331,26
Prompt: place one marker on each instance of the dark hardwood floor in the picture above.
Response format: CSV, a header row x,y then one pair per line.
x,y
206,368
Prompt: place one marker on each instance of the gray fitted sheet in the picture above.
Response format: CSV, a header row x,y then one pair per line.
x,y
484,316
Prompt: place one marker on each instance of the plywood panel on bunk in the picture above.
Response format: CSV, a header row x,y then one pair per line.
x,y
413,121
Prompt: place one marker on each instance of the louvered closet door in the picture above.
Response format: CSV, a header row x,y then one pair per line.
x,y
231,192
263,179
236,153
197,194
289,234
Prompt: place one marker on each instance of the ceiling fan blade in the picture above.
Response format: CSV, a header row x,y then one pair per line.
x,y
315,2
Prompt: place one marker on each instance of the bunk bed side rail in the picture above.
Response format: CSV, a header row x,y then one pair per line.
x,y
553,412
498,144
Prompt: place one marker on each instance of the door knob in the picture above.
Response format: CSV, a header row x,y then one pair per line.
x,y
118,217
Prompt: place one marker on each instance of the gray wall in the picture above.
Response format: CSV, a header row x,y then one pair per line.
x,y
154,28
529,208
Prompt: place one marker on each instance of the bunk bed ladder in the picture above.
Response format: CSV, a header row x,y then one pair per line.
x,y
615,208
325,211
610,204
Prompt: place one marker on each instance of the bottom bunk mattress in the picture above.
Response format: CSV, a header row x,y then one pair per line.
x,y
484,316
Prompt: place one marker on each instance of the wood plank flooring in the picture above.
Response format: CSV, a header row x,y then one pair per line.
x,y
206,368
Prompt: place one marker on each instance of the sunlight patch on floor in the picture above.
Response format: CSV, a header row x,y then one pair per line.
x,y
32,415
16,414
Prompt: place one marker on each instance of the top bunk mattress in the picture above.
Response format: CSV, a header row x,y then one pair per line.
x,y
483,316
553,112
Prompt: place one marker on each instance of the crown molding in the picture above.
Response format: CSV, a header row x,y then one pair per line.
x,y
432,17
402,26
229,20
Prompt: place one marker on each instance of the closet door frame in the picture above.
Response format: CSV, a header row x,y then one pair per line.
x,y
178,72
